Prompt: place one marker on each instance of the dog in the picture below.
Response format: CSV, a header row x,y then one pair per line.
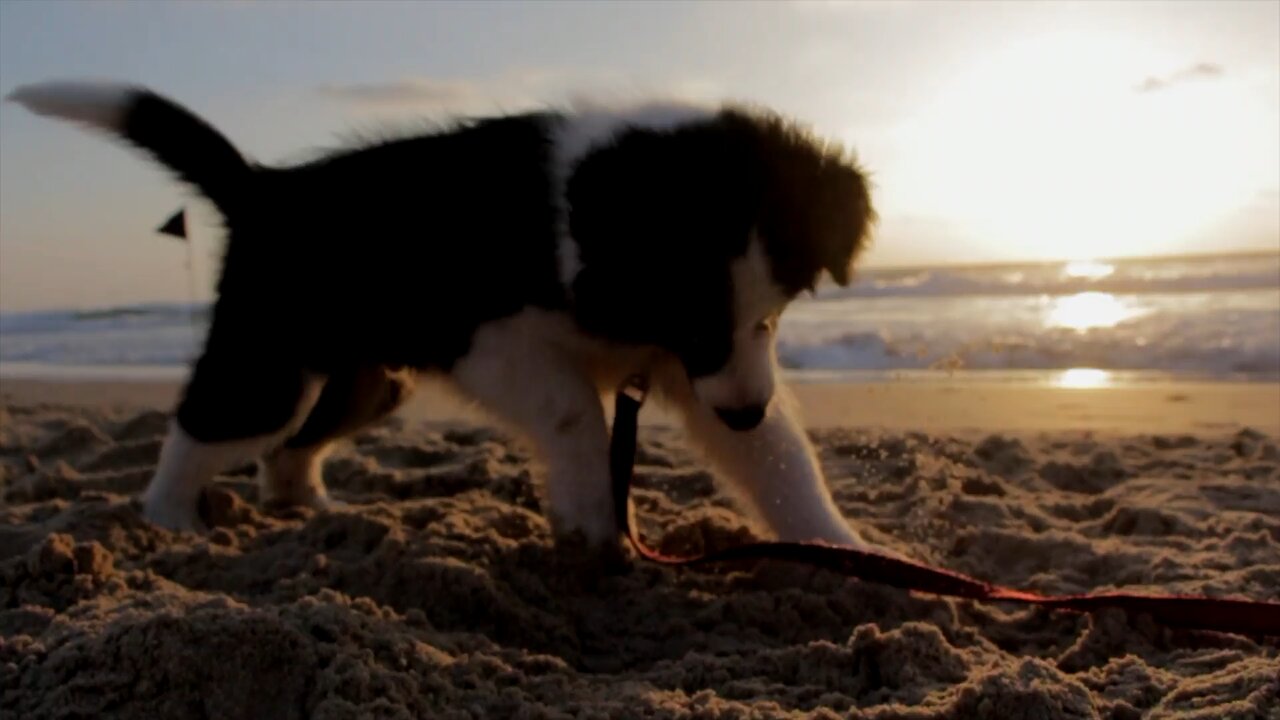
x,y
533,261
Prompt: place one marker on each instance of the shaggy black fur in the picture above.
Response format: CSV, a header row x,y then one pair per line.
x,y
659,215
394,254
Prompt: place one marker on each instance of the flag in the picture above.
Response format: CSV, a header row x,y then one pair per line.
x,y
176,225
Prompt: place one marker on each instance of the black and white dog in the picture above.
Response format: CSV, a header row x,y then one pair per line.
x,y
533,261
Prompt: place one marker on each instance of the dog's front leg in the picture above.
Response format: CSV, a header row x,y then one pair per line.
x,y
546,398
774,467
575,448
564,420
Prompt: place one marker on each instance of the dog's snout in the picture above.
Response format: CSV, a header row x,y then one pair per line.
x,y
742,418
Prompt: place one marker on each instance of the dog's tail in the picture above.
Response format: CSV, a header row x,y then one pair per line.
x,y
173,135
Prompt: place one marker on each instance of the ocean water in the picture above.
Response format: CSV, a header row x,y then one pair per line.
x,y
1080,323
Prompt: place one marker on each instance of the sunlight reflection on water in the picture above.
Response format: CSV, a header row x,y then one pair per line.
x,y
1090,269
1083,378
1087,310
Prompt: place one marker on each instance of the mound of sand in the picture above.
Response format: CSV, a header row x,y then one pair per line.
x,y
436,592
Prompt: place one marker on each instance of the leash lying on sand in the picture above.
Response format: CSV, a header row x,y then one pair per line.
x,y
1247,617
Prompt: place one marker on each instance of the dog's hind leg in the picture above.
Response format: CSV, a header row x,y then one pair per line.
x,y
232,411
291,475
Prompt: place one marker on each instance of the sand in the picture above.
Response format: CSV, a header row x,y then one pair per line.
x,y
436,591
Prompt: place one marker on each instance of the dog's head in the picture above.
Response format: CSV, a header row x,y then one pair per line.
x,y
696,237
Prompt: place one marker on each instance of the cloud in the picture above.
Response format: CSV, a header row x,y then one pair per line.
x,y
850,6
1199,71
408,91
510,90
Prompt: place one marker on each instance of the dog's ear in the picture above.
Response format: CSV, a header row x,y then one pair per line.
x,y
845,218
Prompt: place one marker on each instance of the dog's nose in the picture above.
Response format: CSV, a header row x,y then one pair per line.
x,y
742,418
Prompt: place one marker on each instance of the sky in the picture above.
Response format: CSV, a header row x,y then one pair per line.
x,y
994,132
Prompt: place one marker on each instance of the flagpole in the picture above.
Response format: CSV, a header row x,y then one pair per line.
x,y
191,296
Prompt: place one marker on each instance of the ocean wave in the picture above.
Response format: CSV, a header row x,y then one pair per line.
x,y
1128,277
1190,353
1216,317
177,347
1208,333
142,335
147,315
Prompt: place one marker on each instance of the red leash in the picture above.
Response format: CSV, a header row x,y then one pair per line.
x,y
1248,617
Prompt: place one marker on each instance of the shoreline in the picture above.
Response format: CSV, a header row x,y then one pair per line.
x,y
1156,406
1072,377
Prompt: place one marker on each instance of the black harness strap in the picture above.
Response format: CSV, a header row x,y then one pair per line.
x,y
1249,617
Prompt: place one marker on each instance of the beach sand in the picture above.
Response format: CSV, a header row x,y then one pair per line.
x,y
435,591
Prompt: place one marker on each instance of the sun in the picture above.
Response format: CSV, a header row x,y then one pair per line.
x,y
1047,148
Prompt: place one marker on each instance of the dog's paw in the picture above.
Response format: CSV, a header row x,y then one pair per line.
x,y
311,500
326,502
173,515
591,528
291,479
590,560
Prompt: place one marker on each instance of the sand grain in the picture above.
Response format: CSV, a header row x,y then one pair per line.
x,y
436,591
